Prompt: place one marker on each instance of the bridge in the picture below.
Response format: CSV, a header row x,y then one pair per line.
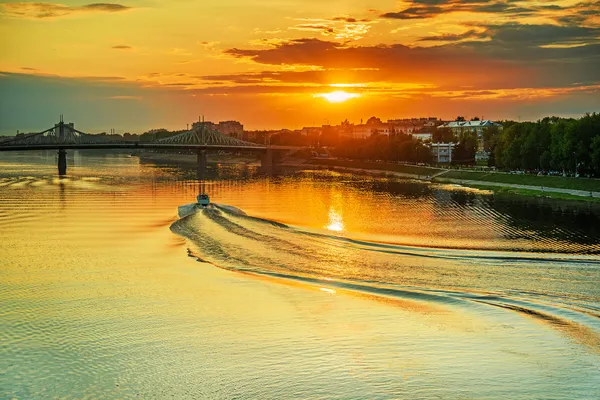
x,y
63,137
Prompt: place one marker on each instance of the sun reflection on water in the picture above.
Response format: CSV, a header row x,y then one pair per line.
x,y
336,222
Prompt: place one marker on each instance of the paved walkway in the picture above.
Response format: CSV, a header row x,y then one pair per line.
x,y
582,193
441,173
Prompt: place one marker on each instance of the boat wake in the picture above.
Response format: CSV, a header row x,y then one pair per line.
x,y
558,289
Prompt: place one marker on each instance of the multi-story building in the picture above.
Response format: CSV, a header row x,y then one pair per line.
x,y
422,136
442,152
365,130
413,125
204,125
311,131
64,130
231,128
459,128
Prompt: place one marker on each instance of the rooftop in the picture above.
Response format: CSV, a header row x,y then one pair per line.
x,y
471,124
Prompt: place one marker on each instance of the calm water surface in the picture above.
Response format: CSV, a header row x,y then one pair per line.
x,y
311,285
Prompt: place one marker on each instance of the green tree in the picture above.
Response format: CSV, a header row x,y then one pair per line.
x,y
464,151
595,154
443,135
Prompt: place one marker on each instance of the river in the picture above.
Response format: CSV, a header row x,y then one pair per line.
x,y
314,284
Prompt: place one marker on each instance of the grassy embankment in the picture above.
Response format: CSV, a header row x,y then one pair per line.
x,y
404,169
588,185
547,182
547,193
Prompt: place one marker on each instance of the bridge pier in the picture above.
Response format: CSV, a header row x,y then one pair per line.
x,y
266,162
201,161
62,162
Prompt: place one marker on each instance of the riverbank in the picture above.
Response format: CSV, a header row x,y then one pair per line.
x,y
416,171
499,183
558,182
550,193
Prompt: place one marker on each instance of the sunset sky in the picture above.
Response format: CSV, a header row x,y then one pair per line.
x,y
136,65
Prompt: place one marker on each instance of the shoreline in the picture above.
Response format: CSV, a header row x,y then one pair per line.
x,y
533,192
421,173
498,188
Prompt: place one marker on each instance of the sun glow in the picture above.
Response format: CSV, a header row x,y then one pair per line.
x,y
338,96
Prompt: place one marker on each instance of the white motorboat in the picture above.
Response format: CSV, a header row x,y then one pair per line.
x,y
202,201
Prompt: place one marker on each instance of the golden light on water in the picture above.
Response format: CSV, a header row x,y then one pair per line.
x,y
336,222
327,290
338,96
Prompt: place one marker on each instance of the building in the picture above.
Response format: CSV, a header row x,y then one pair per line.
x,y
231,128
204,125
63,130
311,131
363,131
482,155
413,125
459,128
422,136
442,152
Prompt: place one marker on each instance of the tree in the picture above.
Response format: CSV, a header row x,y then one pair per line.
x,y
464,151
330,136
595,153
374,121
443,135
489,134
459,118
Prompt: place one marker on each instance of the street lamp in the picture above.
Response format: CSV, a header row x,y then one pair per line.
x,y
575,164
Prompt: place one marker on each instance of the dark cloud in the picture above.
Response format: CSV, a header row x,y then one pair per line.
x,y
421,9
122,47
314,27
350,19
512,55
532,35
108,7
415,13
579,14
450,37
53,10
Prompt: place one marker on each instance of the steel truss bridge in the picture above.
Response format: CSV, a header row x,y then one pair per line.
x,y
201,139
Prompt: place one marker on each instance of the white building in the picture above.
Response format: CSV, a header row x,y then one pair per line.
x,y
461,127
422,136
442,152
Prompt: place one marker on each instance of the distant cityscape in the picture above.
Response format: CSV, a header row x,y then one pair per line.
x,y
421,129
552,144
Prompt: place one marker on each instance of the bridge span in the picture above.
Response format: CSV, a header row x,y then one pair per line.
x,y
64,137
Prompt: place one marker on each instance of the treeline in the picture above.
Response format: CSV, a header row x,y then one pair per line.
x,y
395,147
551,144
157,134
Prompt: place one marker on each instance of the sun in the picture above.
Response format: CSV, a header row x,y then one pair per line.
x,y
338,96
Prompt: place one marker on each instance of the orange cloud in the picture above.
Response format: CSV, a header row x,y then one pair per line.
x,y
52,10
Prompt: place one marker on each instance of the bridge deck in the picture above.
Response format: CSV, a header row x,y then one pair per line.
x,y
138,145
